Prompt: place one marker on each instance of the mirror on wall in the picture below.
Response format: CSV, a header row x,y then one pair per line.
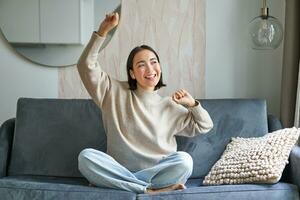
x,y
53,32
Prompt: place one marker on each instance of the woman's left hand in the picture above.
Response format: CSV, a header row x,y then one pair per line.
x,y
184,98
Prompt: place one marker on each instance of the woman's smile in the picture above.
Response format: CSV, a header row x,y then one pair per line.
x,y
151,77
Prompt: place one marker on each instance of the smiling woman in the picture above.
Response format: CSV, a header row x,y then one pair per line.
x,y
52,32
143,66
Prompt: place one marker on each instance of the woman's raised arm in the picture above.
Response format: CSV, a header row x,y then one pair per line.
x,y
95,80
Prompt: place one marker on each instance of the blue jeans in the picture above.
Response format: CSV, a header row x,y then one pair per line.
x,y
103,171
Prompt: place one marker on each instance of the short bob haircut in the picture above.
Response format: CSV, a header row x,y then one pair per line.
x,y
132,82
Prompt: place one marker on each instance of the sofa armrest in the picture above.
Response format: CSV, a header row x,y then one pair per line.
x,y
274,123
6,137
294,166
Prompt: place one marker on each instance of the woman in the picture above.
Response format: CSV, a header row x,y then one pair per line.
x,y
140,125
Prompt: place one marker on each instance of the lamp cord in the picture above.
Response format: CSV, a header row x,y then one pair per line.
x,y
264,3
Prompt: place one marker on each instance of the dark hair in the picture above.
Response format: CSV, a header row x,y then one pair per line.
x,y
132,82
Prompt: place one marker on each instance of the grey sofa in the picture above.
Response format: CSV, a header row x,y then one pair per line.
x,y
39,149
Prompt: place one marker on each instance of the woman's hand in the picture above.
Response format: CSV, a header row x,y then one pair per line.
x,y
184,98
111,21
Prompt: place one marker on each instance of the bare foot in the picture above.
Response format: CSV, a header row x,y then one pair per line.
x,y
178,186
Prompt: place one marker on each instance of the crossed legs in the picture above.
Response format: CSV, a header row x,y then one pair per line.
x,y
169,174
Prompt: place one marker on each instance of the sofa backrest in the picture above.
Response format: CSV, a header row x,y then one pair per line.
x,y
50,133
231,118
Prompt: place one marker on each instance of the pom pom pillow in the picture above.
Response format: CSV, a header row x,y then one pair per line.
x,y
254,160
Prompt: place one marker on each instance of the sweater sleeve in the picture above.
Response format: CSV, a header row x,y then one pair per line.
x,y
96,81
195,120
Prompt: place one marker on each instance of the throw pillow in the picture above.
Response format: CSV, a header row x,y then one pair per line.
x,y
254,160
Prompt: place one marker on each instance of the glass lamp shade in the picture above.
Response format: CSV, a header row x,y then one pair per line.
x,y
266,32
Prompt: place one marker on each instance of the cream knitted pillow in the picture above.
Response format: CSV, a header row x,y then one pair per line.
x,y
254,160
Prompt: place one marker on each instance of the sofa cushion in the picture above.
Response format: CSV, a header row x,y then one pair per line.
x,y
16,188
50,133
231,118
254,160
277,191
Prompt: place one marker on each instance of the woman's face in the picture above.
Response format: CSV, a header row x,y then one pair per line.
x,y
146,70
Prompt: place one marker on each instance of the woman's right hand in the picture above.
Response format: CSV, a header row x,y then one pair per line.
x,y
111,21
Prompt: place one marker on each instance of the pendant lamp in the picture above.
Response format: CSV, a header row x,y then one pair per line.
x,y
265,31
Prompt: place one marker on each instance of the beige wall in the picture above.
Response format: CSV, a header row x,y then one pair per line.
x,y
232,69
174,28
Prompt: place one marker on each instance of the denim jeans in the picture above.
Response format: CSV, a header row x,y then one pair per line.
x,y
102,170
